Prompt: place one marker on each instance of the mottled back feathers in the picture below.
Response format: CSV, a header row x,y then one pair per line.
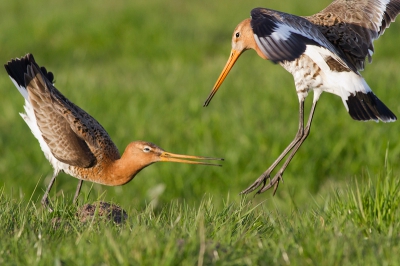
x,y
353,25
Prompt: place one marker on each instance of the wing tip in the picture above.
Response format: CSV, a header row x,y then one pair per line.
x,y
16,69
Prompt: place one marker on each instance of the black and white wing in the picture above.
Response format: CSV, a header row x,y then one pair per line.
x,y
284,37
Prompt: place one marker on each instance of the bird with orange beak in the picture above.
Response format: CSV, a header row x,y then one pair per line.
x,y
324,52
73,141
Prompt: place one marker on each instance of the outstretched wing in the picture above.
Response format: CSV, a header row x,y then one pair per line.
x,y
353,25
284,37
64,143
70,132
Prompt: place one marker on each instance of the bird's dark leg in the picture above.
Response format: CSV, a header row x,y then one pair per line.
x,y
45,200
275,181
299,135
78,190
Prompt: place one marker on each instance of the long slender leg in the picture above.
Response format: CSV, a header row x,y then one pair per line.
x,y
45,200
300,132
275,181
78,189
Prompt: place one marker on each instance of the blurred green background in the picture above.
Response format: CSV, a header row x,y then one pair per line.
x,y
144,68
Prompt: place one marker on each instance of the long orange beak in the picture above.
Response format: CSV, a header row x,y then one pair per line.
x,y
178,158
231,61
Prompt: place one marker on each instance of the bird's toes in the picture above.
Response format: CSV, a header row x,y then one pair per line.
x,y
274,182
275,187
261,181
252,187
45,203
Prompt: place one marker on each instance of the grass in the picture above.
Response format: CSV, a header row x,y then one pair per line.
x,y
356,225
143,71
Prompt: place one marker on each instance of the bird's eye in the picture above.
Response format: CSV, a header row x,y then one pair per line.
x,y
237,34
146,149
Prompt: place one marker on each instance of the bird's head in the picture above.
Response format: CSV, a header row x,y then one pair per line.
x,y
140,154
144,153
242,40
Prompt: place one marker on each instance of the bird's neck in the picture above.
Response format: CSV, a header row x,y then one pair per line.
x,y
122,171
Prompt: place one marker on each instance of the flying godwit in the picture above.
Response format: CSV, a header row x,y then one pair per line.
x,y
323,52
72,140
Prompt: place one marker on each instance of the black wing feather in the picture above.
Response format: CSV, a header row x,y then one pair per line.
x,y
289,44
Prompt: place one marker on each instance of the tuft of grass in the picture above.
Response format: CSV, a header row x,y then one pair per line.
x,y
374,204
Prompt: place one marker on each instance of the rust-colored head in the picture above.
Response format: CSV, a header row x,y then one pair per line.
x,y
145,153
138,155
242,40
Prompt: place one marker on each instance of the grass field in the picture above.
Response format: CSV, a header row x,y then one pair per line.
x,y
143,70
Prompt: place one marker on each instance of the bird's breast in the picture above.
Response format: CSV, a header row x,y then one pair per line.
x,y
306,73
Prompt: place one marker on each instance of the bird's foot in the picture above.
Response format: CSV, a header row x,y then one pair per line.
x,y
45,202
274,182
262,181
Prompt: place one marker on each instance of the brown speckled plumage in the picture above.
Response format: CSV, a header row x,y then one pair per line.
x,y
72,140
353,25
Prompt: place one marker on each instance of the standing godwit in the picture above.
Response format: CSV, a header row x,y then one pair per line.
x,y
323,52
72,140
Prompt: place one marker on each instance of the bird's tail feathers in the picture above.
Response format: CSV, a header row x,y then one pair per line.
x,y
364,106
